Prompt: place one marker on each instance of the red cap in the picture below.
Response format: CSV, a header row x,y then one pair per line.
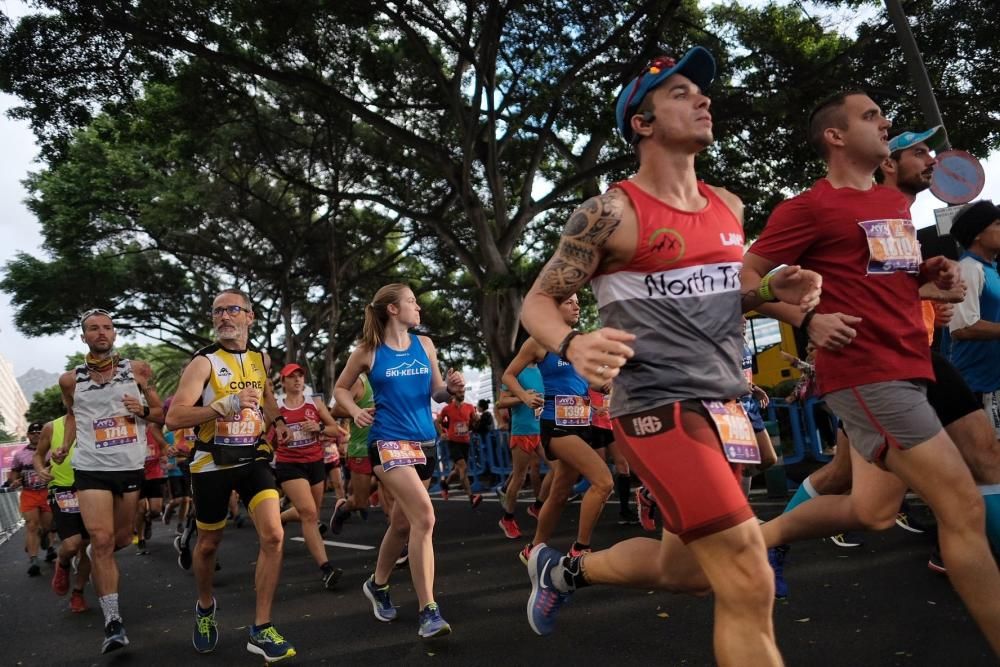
x,y
291,368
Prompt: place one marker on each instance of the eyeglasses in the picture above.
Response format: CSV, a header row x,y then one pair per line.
x,y
92,312
231,310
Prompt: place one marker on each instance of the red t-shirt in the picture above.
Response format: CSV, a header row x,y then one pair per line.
x,y
303,446
153,468
820,230
597,400
459,421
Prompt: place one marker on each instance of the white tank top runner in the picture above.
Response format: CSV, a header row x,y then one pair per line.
x,y
108,437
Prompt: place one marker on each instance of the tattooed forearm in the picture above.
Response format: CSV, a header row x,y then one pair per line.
x,y
749,299
561,280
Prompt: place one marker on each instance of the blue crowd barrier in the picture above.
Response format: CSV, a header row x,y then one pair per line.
x,y
489,454
805,434
10,513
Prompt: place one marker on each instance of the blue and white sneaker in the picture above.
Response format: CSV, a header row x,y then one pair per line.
x,y
776,559
381,604
546,599
431,623
114,637
267,642
206,631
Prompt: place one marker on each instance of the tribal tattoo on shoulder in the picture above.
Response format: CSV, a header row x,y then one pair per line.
x,y
579,251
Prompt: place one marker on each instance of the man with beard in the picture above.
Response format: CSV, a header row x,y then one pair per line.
x,y
226,395
106,416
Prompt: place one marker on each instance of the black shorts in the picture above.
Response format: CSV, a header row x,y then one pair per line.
x,y
118,482
949,395
457,451
313,472
549,430
601,437
68,523
152,488
424,471
180,486
253,482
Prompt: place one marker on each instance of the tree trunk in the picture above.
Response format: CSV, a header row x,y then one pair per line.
x,y
501,310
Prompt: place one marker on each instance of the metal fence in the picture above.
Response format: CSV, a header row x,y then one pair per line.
x,y
10,514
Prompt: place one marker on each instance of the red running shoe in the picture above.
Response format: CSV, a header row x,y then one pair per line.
x,y
510,528
77,604
60,580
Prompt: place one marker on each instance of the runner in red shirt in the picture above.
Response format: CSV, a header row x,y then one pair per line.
x,y
461,419
299,466
859,237
151,492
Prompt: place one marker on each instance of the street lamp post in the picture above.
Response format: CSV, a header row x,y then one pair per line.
x,y
915,63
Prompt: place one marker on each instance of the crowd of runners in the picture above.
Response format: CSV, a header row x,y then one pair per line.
x,y
661,392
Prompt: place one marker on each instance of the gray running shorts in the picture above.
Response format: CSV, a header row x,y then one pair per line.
x,y
878,415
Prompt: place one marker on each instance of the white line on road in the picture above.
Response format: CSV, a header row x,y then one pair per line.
x,y
346,545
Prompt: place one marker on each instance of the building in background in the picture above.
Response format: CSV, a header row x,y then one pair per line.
x,y
13,404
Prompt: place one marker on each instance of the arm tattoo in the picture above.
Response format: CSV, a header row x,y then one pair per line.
x,y
750,300
579,251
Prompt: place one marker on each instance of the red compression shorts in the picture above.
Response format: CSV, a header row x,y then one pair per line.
x,y
678,455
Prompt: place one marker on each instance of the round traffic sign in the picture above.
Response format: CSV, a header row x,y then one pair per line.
x,y
958,177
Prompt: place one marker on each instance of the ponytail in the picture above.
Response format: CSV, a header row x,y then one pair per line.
x,y
377,314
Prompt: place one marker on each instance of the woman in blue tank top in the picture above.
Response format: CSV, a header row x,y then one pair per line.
x,y
565,431
403,371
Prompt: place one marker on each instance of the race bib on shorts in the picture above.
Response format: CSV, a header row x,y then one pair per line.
x,y
300,437
240,430
115,431
395,453
572,411
892,246
67,502
739,444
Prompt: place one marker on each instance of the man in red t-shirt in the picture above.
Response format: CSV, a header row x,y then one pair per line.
x,y
457,420
859,237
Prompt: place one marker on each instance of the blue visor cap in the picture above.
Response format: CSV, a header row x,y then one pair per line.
x,y
697,65
933,137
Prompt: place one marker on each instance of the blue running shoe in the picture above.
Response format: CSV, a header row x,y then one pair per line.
x,y
114,637
267,642
381,604
206,632
546,599
431,623
776,558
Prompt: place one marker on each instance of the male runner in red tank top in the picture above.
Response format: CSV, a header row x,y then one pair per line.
x,y
664,251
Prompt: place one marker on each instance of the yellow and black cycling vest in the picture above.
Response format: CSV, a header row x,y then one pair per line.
x,y
225,442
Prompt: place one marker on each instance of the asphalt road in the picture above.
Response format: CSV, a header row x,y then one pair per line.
x,y
870,606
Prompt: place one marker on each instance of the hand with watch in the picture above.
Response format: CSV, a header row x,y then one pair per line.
x,y
830,331
454,382
598,355
792,285
281,432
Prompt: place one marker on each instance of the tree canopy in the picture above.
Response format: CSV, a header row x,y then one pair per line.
x,y
314,151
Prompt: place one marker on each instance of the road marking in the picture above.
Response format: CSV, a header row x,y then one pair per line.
x,y
346,545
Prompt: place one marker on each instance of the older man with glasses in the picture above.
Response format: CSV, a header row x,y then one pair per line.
x,y
226,396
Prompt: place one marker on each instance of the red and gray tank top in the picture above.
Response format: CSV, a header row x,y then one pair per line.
x,y
680,295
